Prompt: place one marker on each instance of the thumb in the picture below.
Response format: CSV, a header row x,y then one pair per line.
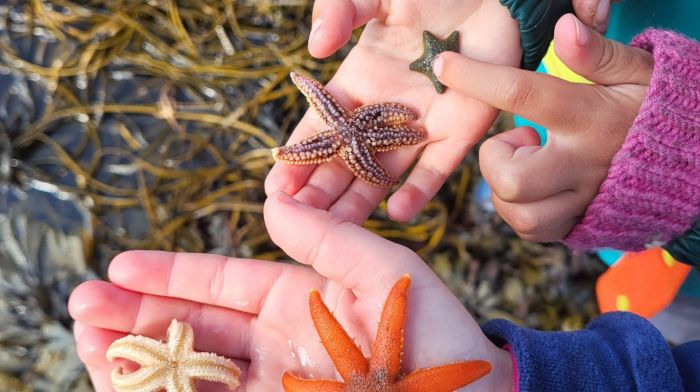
x,y
598,59
333,22
341,251
520,171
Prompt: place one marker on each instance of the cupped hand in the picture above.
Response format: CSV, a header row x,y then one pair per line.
x,y
256,312
542,192
377,70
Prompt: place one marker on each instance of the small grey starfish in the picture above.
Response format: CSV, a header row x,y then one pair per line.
x,y
433,46
354,135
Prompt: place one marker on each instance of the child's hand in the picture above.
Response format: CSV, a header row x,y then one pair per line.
x,y
542,192
377,70
256,312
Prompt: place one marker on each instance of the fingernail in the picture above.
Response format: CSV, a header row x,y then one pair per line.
x,y
285,198
583,34
601,13
315,25
438,65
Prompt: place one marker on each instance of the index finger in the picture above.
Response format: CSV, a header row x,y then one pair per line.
x,y
333,22
231,283
291,178
547,100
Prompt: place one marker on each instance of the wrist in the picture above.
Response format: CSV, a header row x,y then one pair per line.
x,y
501,378
650,194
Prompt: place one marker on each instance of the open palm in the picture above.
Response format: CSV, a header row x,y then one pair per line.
x,y
377,70
256,312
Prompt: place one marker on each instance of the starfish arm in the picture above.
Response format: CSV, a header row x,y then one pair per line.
x,y
179,381
291,383
421,65
416,65
362,162
211,367
439,87
388,345
319,148
425,60
320,100
430,41
145,379
140,349
382,114
346,356
391,138
173,366
452,42
180,339
445,378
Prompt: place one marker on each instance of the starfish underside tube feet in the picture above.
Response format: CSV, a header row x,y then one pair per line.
x,y
353,135
382,372
173,366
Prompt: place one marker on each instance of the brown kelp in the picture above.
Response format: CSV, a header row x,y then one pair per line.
x,y
147,124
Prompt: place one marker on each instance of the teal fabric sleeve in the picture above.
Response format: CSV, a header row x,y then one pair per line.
x,y
686,248
536,19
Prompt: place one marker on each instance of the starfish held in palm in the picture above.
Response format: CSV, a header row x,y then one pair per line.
x,y
432,47
382,372
173,366
353,135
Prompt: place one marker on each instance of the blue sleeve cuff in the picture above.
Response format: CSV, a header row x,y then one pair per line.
x,y
687,359
616,352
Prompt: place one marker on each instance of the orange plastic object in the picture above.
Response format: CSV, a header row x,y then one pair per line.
x,y
643,283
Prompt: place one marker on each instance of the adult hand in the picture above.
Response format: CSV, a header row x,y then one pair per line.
x,y
256,312
542,192
377,70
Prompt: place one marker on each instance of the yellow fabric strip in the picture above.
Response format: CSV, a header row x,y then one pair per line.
x,y
557,68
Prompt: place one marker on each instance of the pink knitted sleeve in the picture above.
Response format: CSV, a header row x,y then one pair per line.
x,y
652,191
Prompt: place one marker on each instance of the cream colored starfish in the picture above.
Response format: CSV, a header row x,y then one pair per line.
x,y
173,366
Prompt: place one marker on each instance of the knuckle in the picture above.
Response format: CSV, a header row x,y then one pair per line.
x,y
611,121
434,172
605,63
484,154
515,92
644,64
547,236
218,280
325,246
536,238
487,148
530,238
510,187
524,222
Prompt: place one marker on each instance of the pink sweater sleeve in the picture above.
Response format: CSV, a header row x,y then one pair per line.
x,y
652,191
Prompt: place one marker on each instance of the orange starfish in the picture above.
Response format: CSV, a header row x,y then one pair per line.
x,y
381,373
